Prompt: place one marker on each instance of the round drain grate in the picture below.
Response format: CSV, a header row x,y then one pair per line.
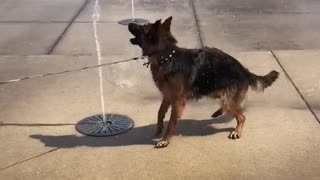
x,y
113,125
135,20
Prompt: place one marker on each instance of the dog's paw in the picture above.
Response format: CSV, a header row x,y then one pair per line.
x,y
234,135
162,144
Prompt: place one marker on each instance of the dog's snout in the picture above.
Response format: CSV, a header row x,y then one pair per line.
x,y
132,28
134,41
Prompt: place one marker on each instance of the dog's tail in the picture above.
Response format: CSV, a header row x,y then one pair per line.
x,y
259,83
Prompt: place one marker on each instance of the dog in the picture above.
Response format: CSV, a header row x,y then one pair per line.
x,y
189,74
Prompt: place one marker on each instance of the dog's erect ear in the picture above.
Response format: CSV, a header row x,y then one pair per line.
x,y
167,23
157,23
154,26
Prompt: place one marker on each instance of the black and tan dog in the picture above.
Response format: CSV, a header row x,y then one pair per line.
x,y
186,74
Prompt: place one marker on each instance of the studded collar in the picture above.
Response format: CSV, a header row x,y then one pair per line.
x,y
168,56
165,56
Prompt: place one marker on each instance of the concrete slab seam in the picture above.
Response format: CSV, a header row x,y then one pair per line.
x,y
53,22
67,71
195,15
39,155
294,85
54,45
36,124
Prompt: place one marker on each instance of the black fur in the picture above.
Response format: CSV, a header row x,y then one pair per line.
x,y
206,70
182,74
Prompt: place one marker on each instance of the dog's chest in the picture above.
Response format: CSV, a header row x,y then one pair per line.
x,y
158,76
171,68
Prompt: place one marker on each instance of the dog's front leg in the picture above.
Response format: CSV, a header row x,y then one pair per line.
x,y
161,115
176,113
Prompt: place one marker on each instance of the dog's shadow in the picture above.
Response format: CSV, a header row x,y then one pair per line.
x,y
143,135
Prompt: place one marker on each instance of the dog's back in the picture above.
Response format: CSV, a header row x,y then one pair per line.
x,y
216,71
205,71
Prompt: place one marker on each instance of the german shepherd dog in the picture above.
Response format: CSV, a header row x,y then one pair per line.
x,y
185,74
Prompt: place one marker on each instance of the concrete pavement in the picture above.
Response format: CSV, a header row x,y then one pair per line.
x,y
281,137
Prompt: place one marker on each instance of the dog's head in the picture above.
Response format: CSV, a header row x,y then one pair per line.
x,y
152,37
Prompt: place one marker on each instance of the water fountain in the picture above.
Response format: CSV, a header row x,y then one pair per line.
x,y
102,124
133,18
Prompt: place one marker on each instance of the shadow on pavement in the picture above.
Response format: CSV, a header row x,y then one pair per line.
x,y
137,135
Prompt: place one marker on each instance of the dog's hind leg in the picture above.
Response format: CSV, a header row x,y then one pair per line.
x,y
219,112
176,113
240,118
233,106
161,115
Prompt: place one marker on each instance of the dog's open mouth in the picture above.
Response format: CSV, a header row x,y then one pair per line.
x,y
134,30
134,41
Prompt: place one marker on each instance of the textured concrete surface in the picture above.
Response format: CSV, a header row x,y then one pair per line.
x,y
33,26
116,10
28,38
47,145
303,68
229,25
259,25
38,10
80,40
16,67
115,38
